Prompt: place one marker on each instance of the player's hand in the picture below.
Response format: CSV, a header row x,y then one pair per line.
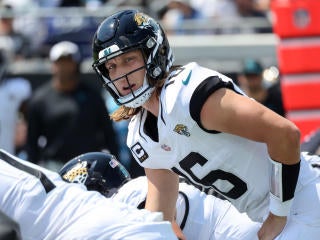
x,y
177,230
272,227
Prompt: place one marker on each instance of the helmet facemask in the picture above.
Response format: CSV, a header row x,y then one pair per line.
x,y
152,42
135,98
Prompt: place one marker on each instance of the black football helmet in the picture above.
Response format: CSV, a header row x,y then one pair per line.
x,y
125,31
98,171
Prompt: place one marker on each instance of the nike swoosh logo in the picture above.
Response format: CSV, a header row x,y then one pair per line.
x,y
186,81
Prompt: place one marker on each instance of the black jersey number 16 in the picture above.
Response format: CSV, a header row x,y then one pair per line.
x,y
239,186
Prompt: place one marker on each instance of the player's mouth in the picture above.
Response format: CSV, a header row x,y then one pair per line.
x,y
128,89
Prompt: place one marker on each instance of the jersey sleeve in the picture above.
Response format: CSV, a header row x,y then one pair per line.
x,y
133,192
189,88
207,87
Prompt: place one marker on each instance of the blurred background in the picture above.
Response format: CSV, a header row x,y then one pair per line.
x,y
216,33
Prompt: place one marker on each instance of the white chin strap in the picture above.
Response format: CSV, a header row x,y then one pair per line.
x,y
143,93
139,101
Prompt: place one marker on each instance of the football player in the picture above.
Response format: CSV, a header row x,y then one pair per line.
x,y
47,207
200,216
197,123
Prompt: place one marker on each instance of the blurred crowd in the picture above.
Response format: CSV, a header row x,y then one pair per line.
x,y
31,27
62,117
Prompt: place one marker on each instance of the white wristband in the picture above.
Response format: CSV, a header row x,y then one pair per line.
x,y
283,180
278,207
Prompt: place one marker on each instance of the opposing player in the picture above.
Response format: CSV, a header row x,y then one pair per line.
x,y
200,216
47,207
195,122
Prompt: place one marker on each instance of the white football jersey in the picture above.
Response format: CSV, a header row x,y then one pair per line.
x,y
69,211
12,93
200,216
236,167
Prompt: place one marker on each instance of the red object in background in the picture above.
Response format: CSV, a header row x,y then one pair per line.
x,y
297,25
306,121
294,18
301,91
299,55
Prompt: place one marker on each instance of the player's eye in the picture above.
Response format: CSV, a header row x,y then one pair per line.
x,y
130,59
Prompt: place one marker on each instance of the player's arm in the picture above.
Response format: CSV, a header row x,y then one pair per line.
x,y
229,112
163,186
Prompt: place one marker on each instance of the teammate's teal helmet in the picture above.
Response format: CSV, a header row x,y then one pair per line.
x,y
98,171
125,31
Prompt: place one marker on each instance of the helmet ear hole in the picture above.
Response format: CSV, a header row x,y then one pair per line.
x,y
155,72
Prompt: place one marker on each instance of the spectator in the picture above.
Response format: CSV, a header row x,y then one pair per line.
x,y
248,9
228,14
174,13
263,5
214,8
252,82
17,45
65,116
28,22
14,93
70,25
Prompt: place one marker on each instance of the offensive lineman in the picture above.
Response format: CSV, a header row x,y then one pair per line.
x,y
101,172
64,211
195,122
48,208
199,215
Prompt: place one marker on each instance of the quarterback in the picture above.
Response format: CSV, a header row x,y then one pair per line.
x,y
195,122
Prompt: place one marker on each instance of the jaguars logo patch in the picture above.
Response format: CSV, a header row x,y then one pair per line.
x,y
141,19
78,174
182,130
